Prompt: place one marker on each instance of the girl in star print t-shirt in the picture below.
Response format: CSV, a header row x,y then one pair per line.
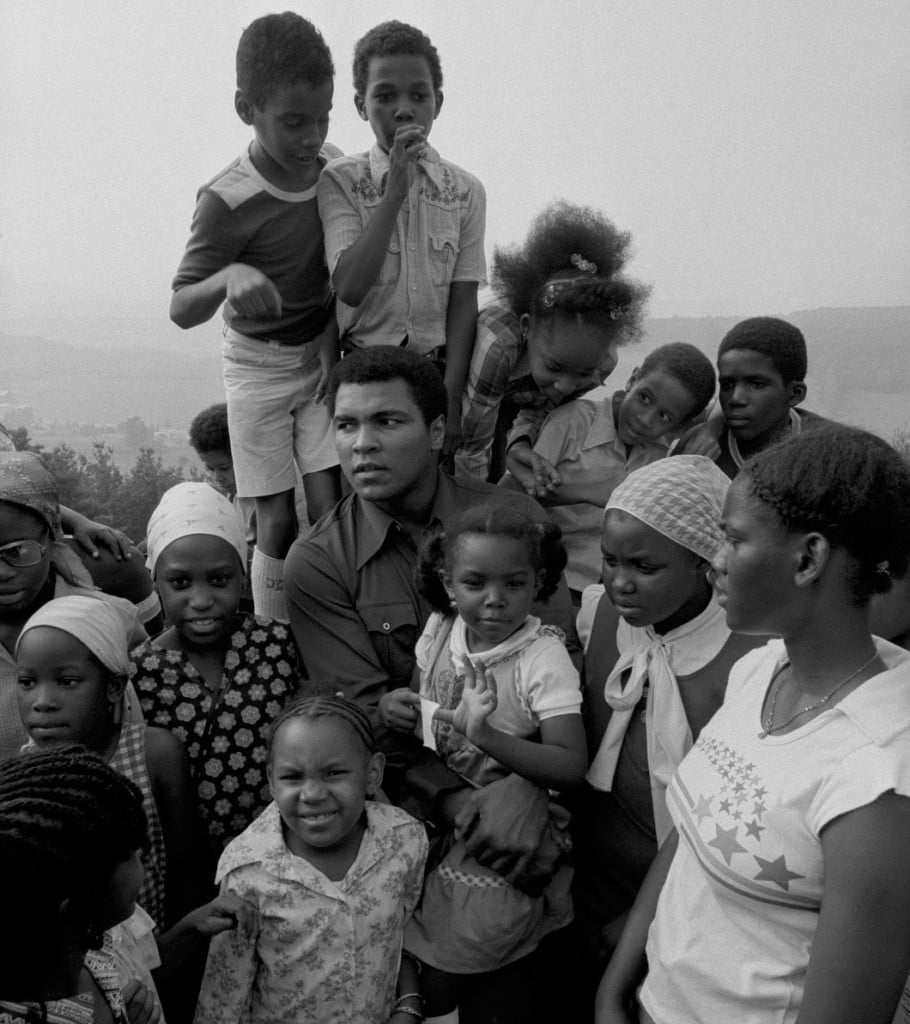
x,y
781,894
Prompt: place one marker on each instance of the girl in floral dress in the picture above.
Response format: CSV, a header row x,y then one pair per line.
x,y
216,678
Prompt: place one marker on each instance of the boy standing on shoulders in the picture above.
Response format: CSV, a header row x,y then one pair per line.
x,y
403,228
256,242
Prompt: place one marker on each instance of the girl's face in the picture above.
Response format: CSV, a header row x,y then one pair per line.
x,y
199,580
20,585
753,571
493,585
123,890
568,357
320,775
651,580
65,694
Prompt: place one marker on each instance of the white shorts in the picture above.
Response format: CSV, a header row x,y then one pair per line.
x,y
272,418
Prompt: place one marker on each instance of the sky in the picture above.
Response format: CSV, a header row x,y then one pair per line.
x,y
757,150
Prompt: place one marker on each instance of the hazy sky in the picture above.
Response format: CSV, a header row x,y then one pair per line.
x,y
758,150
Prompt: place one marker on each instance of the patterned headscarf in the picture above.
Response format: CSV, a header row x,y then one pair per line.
x,y
681,497
191,508
93,622
25,481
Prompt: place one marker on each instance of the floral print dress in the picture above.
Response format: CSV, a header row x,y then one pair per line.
x,y
225,731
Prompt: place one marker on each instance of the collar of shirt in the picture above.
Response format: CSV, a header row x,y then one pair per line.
x,y
374,522
263,843
428,163
603,427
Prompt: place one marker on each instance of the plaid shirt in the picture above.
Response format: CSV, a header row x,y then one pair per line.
x,y
499,369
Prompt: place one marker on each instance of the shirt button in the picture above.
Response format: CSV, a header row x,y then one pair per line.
x,y
414,287
386,626
411,246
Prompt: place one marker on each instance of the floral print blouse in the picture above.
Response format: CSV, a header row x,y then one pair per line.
x,y
327,952
225,733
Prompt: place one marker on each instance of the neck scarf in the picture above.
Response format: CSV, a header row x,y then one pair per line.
x,y
655,661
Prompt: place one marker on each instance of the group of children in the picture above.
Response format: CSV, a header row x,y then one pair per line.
x,y
737,805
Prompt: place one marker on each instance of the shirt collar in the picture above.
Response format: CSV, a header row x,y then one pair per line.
x,y
603,427
429,163
375,523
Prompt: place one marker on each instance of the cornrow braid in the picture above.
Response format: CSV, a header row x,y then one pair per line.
x,y
850,486
326,705
66,821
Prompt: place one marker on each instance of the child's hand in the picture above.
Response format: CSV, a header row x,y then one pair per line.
x,y
702,439
226,911
408,146
327,353
399,709
251,293
139,1003
90,536
478,702
534,473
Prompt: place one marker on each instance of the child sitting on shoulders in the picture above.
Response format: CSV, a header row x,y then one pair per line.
x,y
72,665
761,370
560,310
585,449
506,699
333,875
404,228
216,677
256,246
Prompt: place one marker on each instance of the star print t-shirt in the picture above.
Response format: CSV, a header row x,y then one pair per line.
x,y
748,873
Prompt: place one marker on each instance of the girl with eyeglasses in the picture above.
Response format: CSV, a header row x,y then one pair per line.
x,y
36,566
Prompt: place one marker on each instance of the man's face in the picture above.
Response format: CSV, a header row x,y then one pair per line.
x,y
385,447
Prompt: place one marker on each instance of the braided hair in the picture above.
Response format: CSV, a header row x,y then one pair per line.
x,y
570,266
438,549
326,705
66,821
850,486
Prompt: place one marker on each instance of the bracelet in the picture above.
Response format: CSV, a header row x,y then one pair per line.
x,y
409,1011
408,995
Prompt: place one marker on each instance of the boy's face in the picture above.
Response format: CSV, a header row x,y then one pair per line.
x,y
219,470
655,404
399,93
290,129
755,399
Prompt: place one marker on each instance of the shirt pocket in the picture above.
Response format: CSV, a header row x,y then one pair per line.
x,y
443,253
390,271
393,632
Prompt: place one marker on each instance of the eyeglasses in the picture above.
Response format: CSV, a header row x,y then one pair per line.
x,y
23,553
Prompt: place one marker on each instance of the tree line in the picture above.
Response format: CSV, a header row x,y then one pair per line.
x,y
96,487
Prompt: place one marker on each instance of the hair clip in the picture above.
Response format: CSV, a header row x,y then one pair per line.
x,y
883,568
585,266
616,313
549,294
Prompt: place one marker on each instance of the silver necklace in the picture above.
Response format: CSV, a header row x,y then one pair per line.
x,y
770,727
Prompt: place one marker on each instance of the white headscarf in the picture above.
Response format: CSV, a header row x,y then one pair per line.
x,y
94,622
682,498
191,508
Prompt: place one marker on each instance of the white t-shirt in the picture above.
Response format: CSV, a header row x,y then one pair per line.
x,y
737,915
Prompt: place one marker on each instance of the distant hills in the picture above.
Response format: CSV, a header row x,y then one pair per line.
x,y
105,370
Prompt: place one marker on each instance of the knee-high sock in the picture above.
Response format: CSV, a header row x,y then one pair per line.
x,y
267,583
